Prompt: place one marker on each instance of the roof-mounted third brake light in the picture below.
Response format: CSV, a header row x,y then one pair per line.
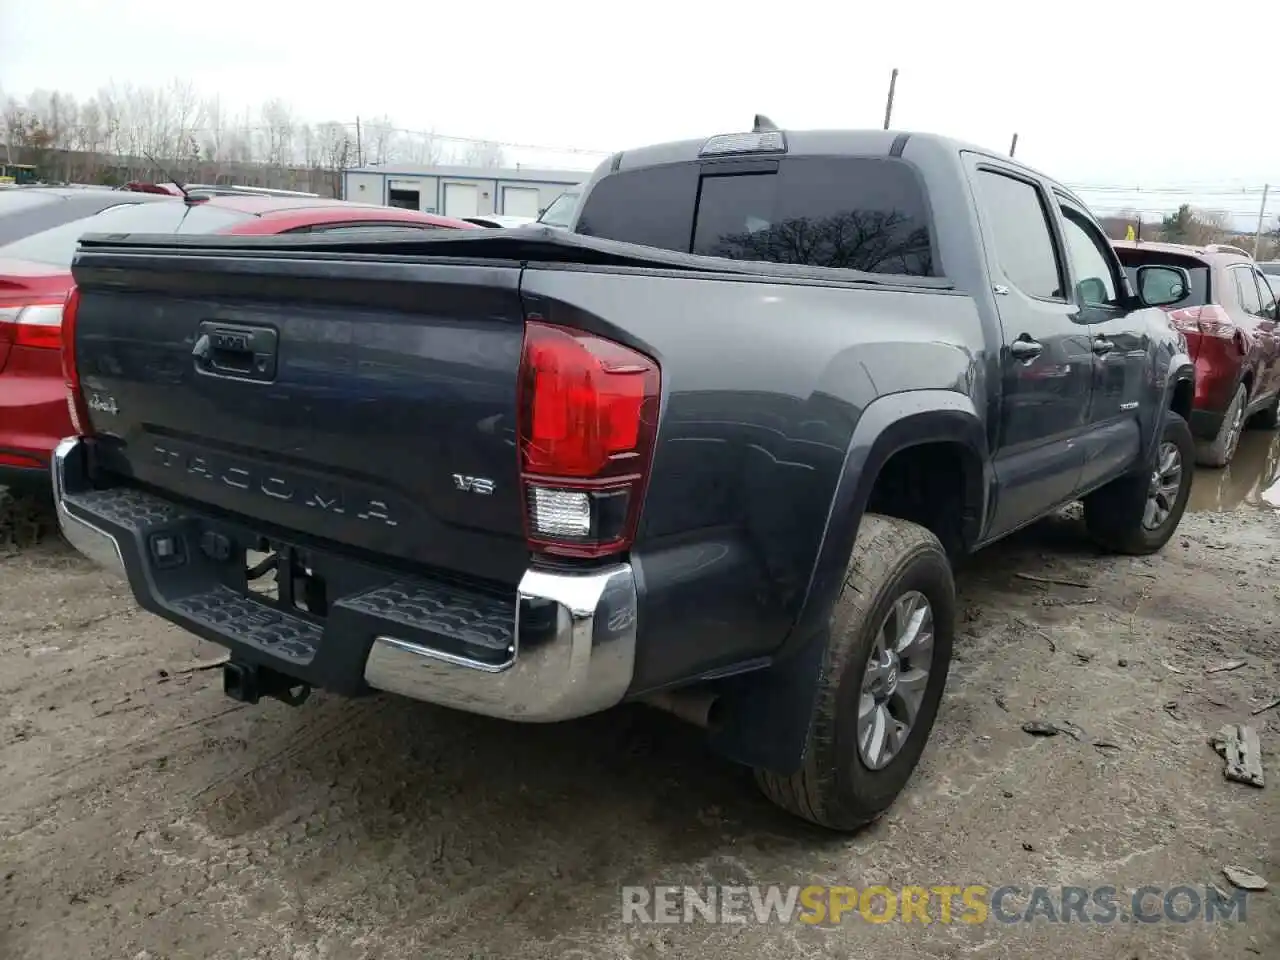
x,y
765,137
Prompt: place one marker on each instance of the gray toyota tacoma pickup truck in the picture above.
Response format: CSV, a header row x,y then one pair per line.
x,y
715,446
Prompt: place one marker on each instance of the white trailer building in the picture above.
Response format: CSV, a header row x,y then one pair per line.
x,y
459,191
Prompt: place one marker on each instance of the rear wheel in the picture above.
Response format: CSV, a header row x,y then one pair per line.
x,y
1219,451
882,679
1138,513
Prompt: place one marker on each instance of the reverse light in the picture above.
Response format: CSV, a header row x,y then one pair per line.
x,y
588,417
76,406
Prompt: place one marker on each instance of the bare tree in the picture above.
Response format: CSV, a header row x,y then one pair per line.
x,y
1209,226
335,151
213,137
423,148
110,136
187,112
277,133
380,140
14,127
483,153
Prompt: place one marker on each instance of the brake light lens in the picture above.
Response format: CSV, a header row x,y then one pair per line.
x,y
36,325
588,419
76,405
1214,322
1186,320
1210,321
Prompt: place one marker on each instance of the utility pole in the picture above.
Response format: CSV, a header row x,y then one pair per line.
x,y
359,149
888,107
1013,147
1262,214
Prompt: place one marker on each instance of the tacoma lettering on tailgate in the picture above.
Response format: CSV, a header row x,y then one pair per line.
x,y
276,484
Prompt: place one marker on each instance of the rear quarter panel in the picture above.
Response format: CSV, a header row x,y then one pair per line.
x,y
763,383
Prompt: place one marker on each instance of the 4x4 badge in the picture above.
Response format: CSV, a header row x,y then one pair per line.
x,y
103,403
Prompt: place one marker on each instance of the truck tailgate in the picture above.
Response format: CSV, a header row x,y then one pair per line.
x,y
368,403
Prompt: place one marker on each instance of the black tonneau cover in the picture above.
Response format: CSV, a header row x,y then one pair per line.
x,y
531,244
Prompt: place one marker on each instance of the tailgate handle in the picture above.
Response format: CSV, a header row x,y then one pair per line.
x,y
236,351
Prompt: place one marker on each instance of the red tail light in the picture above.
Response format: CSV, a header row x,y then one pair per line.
x,y
70,372
36,325
588,418
1210,320
1214,322
1186,320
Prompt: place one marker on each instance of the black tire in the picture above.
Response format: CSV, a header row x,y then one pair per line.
x,y
1115,515
834,787
1219,451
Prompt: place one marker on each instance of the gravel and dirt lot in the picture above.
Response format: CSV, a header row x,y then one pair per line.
x,y
144,815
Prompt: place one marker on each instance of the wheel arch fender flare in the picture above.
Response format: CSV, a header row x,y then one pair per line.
x,y
888,426
768,712
1182,376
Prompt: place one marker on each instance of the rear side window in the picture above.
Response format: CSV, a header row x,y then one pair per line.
x,y
1247,290
854,213
1019,223
652,206
57,246
1266,290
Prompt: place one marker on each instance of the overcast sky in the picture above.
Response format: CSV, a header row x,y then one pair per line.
x,y
1099,92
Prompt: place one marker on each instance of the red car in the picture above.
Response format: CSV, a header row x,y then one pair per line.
x,y
1229,320
35,278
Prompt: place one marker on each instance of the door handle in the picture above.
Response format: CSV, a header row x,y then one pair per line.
x,y
1025,349
240,351
1101,345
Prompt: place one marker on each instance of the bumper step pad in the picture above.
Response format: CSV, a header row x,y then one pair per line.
x,y
561,644
203,595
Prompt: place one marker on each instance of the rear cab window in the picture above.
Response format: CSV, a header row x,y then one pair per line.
x,y
856,213
57,246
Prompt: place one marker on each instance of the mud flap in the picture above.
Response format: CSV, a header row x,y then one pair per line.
x,y
765,715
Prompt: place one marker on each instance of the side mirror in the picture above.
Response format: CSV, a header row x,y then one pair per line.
x,y
1161,286
1091,291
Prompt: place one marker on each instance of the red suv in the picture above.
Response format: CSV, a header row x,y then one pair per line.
x,y
1229,320
35,278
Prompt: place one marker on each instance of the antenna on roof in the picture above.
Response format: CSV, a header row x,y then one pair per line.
x,y
763,123
172,179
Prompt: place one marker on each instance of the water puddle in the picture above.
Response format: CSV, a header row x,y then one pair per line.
x,y
1250,481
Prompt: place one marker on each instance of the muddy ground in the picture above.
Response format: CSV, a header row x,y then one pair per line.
x,y
143,815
